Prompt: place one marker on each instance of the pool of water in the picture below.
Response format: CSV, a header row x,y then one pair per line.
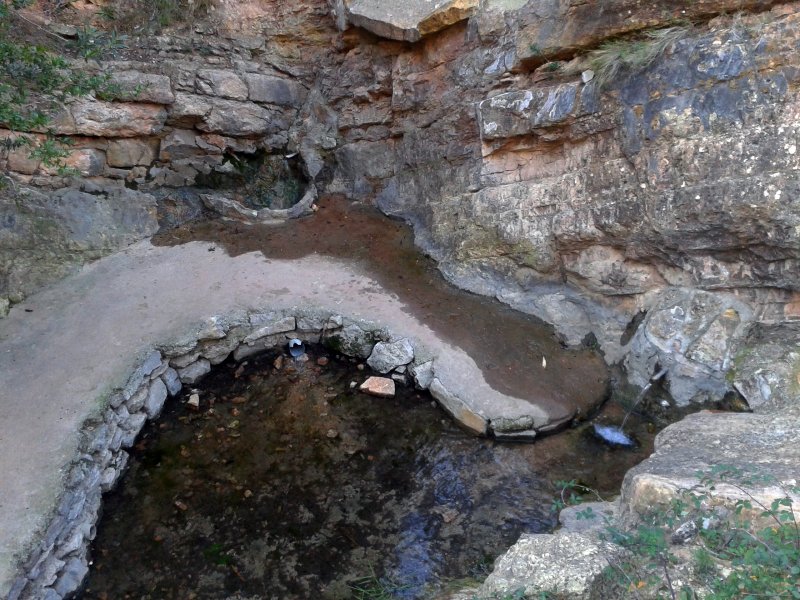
x,y
289,483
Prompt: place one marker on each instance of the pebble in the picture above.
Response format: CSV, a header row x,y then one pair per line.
x,y
278,362
322,361
360,367
332,433
194,402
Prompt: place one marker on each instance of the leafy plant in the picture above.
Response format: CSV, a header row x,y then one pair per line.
x,y
35,83
93,43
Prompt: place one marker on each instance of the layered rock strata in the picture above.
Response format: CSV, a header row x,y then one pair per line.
x,y
588,205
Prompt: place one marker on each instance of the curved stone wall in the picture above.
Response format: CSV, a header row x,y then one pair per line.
x,y
59,562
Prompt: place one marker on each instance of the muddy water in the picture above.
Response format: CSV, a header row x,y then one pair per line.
x,y
508,346
287,483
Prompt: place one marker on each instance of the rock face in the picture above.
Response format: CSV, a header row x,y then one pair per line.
x,y
43,237
598,198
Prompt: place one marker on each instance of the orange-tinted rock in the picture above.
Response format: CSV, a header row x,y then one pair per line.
x,y
383,387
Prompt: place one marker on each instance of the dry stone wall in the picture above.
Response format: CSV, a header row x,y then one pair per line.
x,y
58,564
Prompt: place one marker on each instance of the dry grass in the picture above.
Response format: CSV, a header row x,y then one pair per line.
x,y
625,57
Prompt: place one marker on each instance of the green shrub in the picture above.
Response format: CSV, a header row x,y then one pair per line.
x,y
35,82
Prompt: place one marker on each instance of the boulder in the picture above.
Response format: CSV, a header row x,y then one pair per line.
x,y
564,565
693,334
387,356
408,21
766,367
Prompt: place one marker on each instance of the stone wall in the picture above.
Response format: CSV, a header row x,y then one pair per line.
x,y
59,562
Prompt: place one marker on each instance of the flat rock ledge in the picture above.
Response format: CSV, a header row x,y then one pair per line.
x,y
562,565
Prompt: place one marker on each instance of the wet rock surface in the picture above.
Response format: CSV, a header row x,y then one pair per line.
x,y
507,346
288,483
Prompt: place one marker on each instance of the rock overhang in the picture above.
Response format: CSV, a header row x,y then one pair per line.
x,y
407,21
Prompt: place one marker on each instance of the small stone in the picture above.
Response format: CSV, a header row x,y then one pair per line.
x,y
587,76
155,398
172,381
181,505
387,356
360,367
382,387
332,434
278,363
399,378
353,384
248,493
322,361
684,533
194,402
195,371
